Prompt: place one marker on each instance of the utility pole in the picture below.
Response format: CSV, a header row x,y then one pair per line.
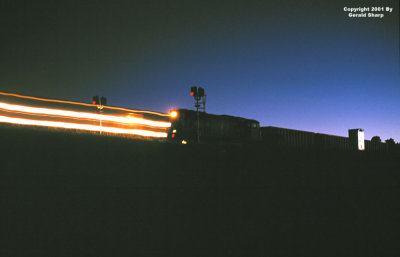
x,y
198,94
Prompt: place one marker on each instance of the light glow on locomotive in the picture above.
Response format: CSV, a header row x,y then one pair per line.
x,y
173,114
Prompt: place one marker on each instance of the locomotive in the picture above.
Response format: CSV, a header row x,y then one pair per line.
x,y
212,128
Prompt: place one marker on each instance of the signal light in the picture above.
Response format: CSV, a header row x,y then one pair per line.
x,y
96,99
193,91
200,92
103,100
173,114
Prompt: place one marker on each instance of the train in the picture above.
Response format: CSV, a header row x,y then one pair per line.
x,y
230,129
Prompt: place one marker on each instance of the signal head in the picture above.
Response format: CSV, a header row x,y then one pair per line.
x,y
103,100
200,91
193,91
96,100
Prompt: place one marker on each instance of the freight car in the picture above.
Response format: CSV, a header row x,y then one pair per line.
x,y
296,139
290,138
212,128
377,146
287,138
326,142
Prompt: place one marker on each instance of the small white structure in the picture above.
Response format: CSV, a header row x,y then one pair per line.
x,y
356,139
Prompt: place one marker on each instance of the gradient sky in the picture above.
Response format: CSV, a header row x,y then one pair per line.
x,y
296,64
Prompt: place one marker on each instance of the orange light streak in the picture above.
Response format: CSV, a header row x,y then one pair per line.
x,y
55,124
85,115
84,104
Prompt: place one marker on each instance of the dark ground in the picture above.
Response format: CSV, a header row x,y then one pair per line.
x,y
68,194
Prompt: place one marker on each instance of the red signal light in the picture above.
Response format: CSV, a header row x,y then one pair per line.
x,y
193,91
96,99
173,135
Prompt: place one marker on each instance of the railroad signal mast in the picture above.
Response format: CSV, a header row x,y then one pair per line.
x,y
100,102
199,97
200,104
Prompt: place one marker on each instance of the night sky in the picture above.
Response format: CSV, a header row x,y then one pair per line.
x,y
303,65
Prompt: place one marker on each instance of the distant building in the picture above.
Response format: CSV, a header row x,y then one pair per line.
x,y
356,139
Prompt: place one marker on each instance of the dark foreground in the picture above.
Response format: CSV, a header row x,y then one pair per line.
x,y
84,195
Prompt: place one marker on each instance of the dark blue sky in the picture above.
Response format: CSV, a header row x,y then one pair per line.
x,y
296,64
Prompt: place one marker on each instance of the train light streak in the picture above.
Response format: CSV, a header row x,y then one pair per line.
x,y
66,125
85,115
82,104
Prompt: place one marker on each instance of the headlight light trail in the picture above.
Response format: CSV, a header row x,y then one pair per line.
x,y
66,125
84,115
82,104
